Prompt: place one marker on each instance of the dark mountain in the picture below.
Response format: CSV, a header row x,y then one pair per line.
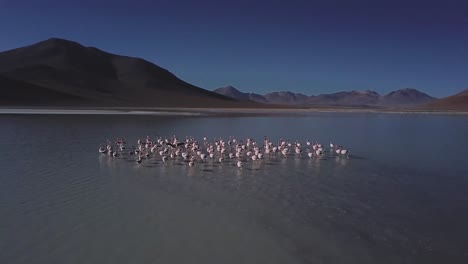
x,y
27,94
285,97
232,92
405,97
353,98
97,78
455,102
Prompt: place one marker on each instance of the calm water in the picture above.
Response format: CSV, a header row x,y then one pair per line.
x,y
401,197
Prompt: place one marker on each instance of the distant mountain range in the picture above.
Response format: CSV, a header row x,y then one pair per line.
x,y
400,98
58,72
236,94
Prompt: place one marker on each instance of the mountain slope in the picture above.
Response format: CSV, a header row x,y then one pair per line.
x,y
455,102
101,78
26,94
405,97
286,97
232,92
353,98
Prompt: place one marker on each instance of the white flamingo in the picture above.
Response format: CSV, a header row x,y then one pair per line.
x,y
102,150
203,156
192,161
217,149
298,150
345,152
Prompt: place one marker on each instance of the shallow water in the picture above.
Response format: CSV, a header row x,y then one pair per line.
x,y
400,198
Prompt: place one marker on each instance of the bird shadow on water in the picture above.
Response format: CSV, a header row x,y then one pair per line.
x,y
357,157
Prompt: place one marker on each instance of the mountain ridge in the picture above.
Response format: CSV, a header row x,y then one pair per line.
x,y
399,98
456,102
99,77
59,72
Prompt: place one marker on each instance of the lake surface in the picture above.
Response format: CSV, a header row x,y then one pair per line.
x,y
401,197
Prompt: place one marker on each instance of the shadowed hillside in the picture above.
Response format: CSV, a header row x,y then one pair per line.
x,y
16,92
454,102
60,67
232,92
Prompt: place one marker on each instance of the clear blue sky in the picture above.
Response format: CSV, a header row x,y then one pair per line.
x,y
304,46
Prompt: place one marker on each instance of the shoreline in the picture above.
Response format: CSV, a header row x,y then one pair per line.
x,y
169,111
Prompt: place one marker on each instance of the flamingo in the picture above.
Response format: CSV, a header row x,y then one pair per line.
x,y
298,150
217,149
153,148
102,150
192,161
345,152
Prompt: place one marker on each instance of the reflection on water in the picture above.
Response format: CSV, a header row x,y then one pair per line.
x,y
69,204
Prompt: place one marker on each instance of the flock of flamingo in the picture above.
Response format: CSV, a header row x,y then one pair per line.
x,y
218,150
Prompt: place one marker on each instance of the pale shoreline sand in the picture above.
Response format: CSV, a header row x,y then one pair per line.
x,y
208,111
32,111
